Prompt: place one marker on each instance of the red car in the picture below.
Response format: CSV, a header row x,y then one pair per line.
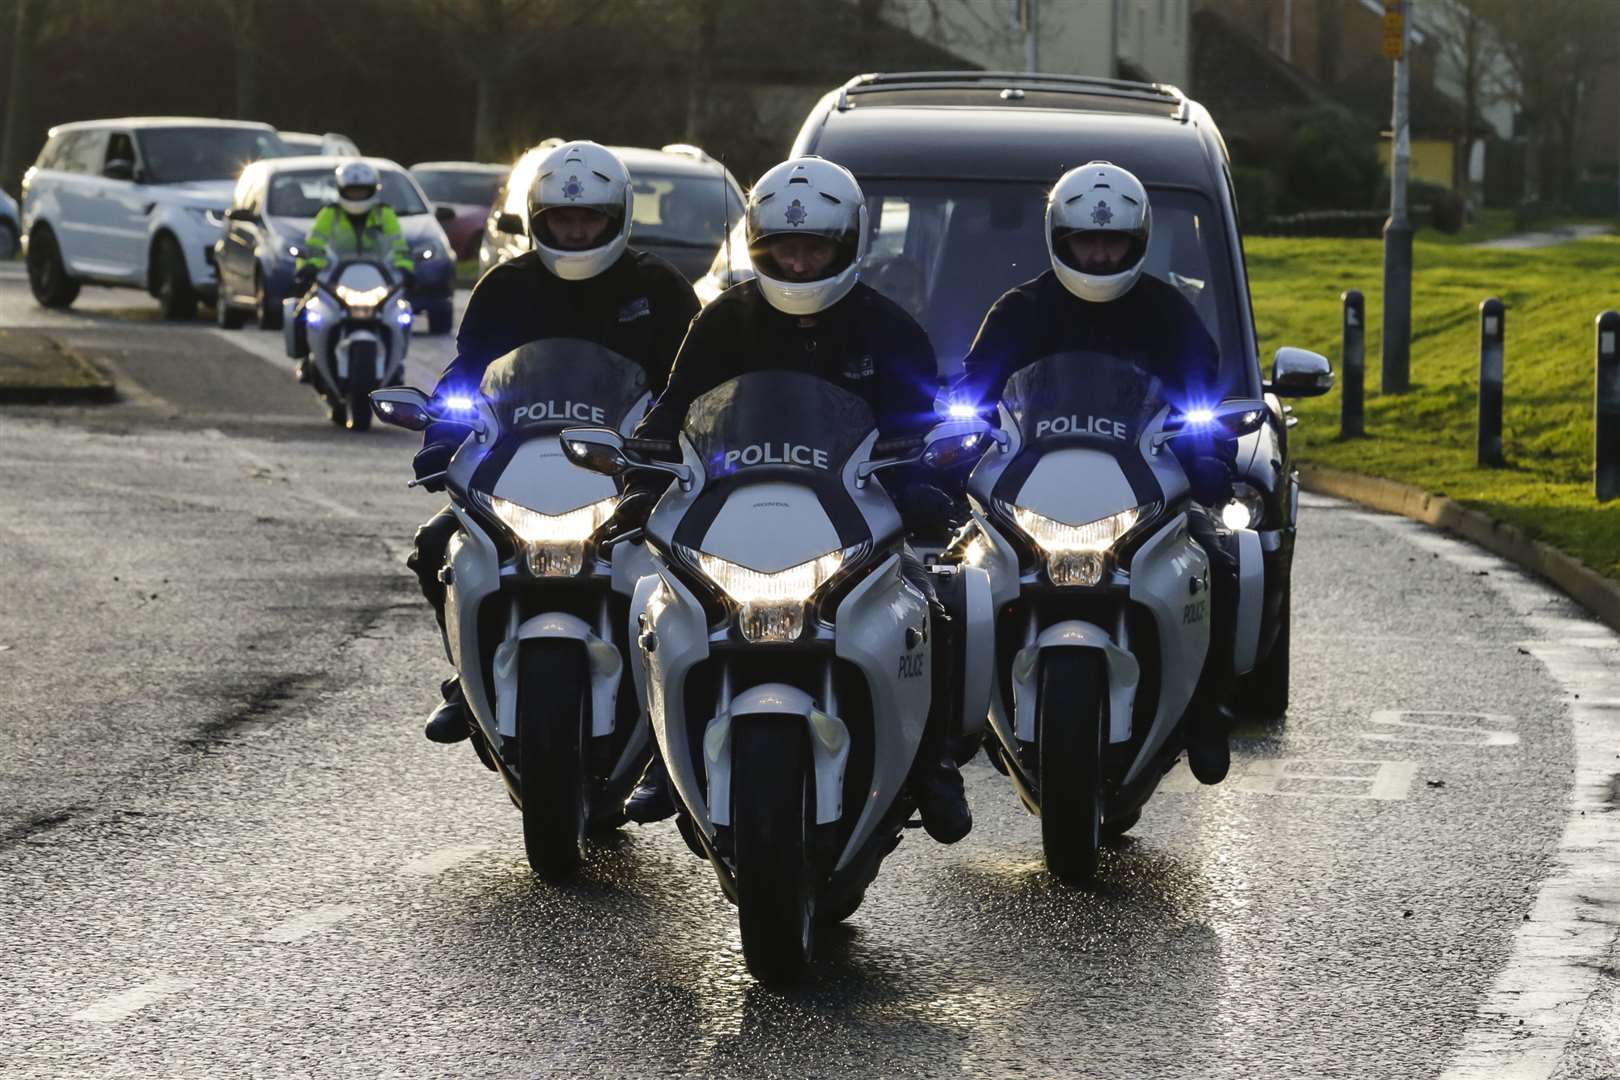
x,y
468,188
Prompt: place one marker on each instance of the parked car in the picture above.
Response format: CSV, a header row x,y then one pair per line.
x,y
467,188
311,145
137,202
684,200
10,227
956,166
271,211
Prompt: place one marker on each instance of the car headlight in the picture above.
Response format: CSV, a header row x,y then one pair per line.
x,y
205,216
553,544
770,607
1245,510
1075,554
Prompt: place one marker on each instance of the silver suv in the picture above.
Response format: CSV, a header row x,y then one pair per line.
x,y
136,202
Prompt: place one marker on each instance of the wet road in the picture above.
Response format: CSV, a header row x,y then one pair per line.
x,y
226,849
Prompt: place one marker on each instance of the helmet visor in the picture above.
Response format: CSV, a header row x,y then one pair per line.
x,y
804,256
357,192
1098,252
576,227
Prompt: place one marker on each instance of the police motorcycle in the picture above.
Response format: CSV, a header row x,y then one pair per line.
x,y
537,606
355,328
783,659
1102,597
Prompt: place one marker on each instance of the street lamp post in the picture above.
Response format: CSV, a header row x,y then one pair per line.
x,y
1398,230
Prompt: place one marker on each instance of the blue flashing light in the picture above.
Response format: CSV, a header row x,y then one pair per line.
x,y
405,318
962,410
460,403
1200,417
312,316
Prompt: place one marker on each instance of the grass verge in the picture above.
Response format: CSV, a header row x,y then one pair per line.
x,y
1427,437
36,369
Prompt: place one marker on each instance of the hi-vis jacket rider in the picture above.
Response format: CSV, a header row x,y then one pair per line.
x,y
358,224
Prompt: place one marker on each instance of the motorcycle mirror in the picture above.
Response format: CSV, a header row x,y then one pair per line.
x,y
955,442
444,214
510,223
402,406
1232,418
597,449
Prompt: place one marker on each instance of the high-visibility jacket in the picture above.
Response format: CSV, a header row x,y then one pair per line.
x,y
332,235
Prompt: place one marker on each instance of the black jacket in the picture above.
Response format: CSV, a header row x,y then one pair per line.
x,y
864,343
639,307
1152,326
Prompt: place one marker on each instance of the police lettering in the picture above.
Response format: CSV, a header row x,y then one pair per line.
x,y
776,454
911,667
566,410
1074,425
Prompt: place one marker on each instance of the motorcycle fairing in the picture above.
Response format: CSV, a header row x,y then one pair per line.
x,y
1124,675
829,747
1161,570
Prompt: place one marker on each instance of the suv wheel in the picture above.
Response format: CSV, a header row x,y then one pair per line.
x,y
173,285
8,240
48,278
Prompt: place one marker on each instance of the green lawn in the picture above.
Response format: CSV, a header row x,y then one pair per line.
x,y
1427,437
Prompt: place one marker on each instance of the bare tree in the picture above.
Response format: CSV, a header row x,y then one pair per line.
x,y
1469,46
27,24
1554,49
242,21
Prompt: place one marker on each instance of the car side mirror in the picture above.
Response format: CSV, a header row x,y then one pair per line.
x,y
1300,373
119,169
444,214
600,450
510,223
402,406
956,442
241,213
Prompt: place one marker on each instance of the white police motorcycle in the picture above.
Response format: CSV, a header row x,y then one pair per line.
x,y
1102,597
784,660
536,609
355,329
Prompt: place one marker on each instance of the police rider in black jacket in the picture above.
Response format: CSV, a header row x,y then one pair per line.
x,y
1097,299
581,280
806,311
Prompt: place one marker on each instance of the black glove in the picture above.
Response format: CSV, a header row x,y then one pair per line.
x,y
304,277
409,278
635,506
431,460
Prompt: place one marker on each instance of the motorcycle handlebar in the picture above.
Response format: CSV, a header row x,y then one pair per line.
x,y
655,448
900,444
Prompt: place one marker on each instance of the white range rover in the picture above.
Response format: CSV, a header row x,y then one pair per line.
x,y
136,202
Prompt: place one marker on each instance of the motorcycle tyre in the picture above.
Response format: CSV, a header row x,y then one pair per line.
x,y
552,709
362,380
1073,697
772,816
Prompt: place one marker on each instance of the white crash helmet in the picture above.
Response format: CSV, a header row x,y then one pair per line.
x,y
358,186
1098,197
807,196
587,176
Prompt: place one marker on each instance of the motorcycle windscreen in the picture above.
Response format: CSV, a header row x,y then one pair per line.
x,y
364,278
774,445
1086,401
538,390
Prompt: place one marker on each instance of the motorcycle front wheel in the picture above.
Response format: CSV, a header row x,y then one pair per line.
x,y
362,381
553,704
1072,704
772,815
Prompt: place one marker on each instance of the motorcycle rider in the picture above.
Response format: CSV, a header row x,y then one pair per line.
x,y
581,280
806,223
357,223
1096,298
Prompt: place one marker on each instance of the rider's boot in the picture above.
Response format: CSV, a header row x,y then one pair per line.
x,y
651,800
448,723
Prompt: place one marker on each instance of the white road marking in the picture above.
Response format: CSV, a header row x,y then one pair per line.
x,y
301,926
1440,728
1306,778
128,1002
438,862
1528,1017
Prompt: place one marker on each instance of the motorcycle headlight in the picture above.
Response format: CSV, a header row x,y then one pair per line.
x,y
1075,554
553,544
362,303
770,607
1245,510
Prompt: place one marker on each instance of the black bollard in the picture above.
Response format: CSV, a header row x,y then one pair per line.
x,y
1353,363
1606,426
1492,318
